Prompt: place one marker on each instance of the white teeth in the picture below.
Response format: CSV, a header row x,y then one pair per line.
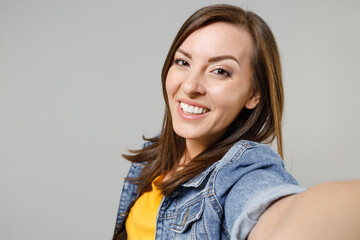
x,y
189,109
196,110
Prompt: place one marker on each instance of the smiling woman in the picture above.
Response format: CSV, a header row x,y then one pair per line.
x,y
210,174
211,71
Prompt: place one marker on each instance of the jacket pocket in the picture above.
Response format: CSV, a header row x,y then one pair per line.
x,y
188,214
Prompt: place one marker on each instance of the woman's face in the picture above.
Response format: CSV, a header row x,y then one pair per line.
x,y
209,82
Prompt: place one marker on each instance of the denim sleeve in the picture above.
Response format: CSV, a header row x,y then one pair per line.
x,y
263,180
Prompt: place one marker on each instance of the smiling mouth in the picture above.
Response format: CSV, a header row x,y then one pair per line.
x,y
192,110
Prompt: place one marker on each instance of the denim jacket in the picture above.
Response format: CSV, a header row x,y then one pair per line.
x,y
222,202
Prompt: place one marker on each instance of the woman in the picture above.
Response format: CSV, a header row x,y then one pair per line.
x,y
207,175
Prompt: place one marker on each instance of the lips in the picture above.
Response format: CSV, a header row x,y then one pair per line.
x,y
192,109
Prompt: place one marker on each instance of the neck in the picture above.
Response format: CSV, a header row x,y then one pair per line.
x,y
193,148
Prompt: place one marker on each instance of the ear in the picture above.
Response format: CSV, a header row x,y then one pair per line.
x,y
253,101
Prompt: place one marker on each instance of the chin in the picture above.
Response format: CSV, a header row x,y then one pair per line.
x,y
188,134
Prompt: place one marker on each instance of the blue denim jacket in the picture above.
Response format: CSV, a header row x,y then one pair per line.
x,y
223,202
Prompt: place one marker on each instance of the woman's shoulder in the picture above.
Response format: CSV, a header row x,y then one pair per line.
x,y
246,153
250,162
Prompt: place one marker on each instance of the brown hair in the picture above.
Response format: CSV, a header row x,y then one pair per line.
x,y
261,124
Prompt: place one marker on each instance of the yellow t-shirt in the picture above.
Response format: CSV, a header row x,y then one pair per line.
x,y
141,222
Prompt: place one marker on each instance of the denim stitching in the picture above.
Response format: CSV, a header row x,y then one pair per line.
x,y
225,231
206,234
186,205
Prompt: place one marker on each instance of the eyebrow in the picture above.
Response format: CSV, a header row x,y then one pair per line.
x,y
188,55
224,57
213,59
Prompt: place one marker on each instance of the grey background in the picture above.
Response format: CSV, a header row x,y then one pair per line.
x,y
80,83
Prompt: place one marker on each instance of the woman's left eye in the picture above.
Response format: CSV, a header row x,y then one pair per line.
x,y
222,72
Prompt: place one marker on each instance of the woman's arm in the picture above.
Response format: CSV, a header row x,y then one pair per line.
x,y
326,211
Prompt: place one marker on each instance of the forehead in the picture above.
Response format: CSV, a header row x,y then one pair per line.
x,y
217,39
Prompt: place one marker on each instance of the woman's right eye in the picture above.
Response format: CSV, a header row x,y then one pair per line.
x,y
181,62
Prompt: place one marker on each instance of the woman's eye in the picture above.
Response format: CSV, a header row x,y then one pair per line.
x,y
181,62
222,72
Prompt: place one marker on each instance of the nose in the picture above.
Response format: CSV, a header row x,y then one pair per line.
x,y
193,83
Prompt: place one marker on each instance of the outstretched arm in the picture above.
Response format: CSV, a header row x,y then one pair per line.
x,y
326,211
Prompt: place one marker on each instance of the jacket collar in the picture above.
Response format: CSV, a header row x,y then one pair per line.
x,y
198,179
232,154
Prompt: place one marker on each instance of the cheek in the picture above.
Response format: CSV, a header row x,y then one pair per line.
x,y
230,96
170,84
231,102
167,88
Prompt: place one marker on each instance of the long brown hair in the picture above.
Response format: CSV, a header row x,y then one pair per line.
x,y
261,124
